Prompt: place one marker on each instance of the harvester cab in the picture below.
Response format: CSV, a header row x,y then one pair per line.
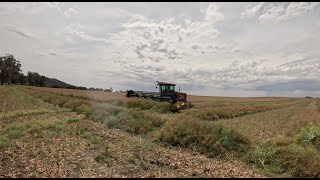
x,y
167,90
167,93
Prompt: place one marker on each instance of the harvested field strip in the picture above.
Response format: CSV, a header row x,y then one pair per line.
x,y
84,94
54,148
242,137
133,122
119,98
137,104
13,114
301,118
65,144
142,158
32,116
264,125
228,112
57,154
147,123
13,99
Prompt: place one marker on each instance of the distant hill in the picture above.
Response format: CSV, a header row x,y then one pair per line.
x,y
55,83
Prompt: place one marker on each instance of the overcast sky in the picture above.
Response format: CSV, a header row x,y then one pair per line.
x,y
219,49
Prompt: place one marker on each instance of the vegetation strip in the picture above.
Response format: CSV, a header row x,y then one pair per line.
x,y
215,139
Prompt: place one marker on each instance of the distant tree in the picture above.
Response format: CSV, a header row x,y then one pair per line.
x,y
42,81
30,78
37,78
82,88
1,71
22,79
10,69
10,73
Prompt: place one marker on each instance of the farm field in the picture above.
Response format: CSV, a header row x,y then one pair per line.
x,y
50,132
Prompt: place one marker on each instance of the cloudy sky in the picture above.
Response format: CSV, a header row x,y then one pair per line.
x,y
219,49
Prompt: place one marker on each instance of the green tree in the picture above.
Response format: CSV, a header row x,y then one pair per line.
x,y
42,81
22,79
10,69
1,70
30,78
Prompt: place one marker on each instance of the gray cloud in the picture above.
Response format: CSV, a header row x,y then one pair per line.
x,y
195,47
291,85
53,53
206,48
18,31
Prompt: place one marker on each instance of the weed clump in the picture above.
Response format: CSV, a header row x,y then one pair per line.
x,y
105,156
138,122
299,161
300,157
205,137
74,103
86,134
263,155
310,136
84,108
161,107
140,104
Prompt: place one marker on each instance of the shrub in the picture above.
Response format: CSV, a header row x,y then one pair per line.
x,y
84,108
59,101
47,98
162,107
262,155
72,120
86,134
284,155
3,141
112,122
57,126
103,112
310,135
138,122
212,114
73,103
141,104
105,156
117,102
201,135
300,161
282,141
112,109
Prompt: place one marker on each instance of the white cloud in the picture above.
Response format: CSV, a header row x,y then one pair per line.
x,y
214,13
71,11
250,11
165,39
53,5
75,30
282,13
273,13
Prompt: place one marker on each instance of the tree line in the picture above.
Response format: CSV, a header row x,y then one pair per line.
x,y
11,73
